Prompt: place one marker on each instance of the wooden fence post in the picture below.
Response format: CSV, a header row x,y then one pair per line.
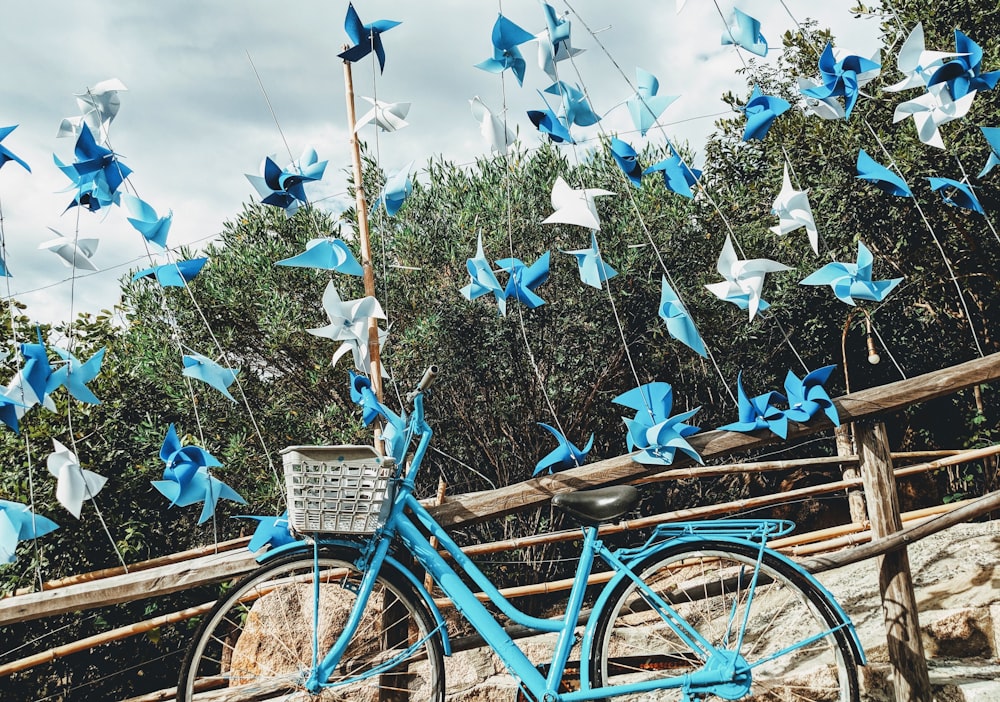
x,y
899,602
849,471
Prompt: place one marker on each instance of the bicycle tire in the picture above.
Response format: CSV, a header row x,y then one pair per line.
x,y
702,581
256,643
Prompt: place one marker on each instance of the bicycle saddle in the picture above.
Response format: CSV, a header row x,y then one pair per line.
x,y
596,506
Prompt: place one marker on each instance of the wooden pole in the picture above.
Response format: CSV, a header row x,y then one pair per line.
x,y
899,601
363,233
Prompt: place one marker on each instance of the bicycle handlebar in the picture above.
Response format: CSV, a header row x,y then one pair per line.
x,y
425,382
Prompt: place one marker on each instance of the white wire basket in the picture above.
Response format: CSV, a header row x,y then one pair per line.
x,y
336,489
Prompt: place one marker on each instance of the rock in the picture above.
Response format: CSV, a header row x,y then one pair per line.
x,y
957,635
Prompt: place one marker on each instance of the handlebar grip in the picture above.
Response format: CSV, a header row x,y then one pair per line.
x,y
429,375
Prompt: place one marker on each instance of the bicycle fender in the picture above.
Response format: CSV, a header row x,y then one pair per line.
x,y
418,586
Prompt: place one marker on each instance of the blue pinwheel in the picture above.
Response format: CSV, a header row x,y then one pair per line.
x,y
677,176
564,456
656,434
646,106
554,41
548,122
397,188
575,108
628,160
853,280
366,37
272,532
506,37
523,280
187,480
679,323
28,386
285,187
807,397
6,154
482,279
96,174
326,253
761,111
593,270
173,275
881,177
145,220
208,371
19,523
842,78
74,376
759,412
964,73
992,135
743,30
956,193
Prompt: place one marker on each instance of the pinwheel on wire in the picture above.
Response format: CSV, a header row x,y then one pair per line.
x,y
627,160
145,220
575,108
656,434
506,37
285,187
173,275
881,177
96,174
272,532
366,37
575,205
74,375
793,211
328,254
522,281
208,371
679,323
677,176
554,42
843,77
744,279
493,129
566,455
482,279
744,31
396,189
98,105
647,105
8,155
187,480
933,109
759,412
349,323
18,523
963,74
915,62
852,281
593,270
74,483
956,194
761,111
807,397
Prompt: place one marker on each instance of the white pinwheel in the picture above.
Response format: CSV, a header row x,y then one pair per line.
x,y
744,279
574,206
75,484
793,211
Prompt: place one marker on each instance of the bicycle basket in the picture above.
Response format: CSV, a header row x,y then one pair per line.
x,y
335,489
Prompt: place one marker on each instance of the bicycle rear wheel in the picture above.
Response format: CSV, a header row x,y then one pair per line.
x,y
257,642
708,584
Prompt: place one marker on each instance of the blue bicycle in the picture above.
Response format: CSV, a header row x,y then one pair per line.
x,y
702,610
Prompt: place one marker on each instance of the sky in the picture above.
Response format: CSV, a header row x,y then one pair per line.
x,y
214,87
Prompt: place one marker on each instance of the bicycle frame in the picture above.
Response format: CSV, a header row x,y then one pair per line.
x,y
415,527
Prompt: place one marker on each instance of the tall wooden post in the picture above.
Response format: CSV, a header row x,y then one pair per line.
x,y
899,602
855,497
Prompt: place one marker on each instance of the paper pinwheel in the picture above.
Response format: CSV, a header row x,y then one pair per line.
x,y
11,410
19,523
366,37
956,193
328,254
744,279
964,73
743,30
272,532
575,108
523,280
852,281
145,220
646,106
548,122
397,188
483,280
807,396
881,177
931,110
758,412
574,206
74,253
793,211
678,321
98,106
653,431
761,111
593,270
29,385
506,37
628,160
186,478
387,116
4,272
208,371
842,78
74,376
496,133
285,188
992,135
349,322
96,174
564,456
394,431
677,176
173,275
915,62
75,484
6,154
554,42
827,108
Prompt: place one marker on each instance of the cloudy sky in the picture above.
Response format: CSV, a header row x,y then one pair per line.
x,y
195,119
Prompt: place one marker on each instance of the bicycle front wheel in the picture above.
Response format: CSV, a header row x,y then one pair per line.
x,y
710,585
257,643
